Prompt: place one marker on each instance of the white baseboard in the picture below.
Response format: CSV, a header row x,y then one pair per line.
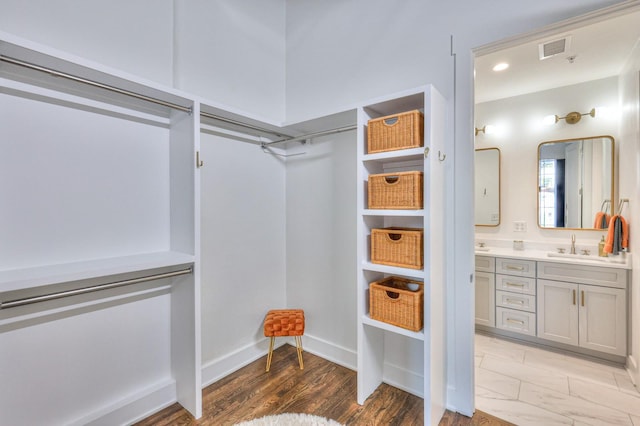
x,y
401,378
134,407
329,351
633,370
220,367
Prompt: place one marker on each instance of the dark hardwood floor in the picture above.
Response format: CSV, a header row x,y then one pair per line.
x,y
322,388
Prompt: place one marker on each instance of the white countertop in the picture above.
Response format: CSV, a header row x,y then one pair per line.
x,y
621,261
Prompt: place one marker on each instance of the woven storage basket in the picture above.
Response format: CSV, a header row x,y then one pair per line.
x,y
396,190
391,301
401,247
399,131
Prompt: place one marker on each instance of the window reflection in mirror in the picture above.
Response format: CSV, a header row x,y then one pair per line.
x,y
575,183
487,187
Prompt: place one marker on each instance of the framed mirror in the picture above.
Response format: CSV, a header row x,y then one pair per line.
x,y
575,183
487,187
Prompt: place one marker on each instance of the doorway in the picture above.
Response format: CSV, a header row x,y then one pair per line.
x,y
518,378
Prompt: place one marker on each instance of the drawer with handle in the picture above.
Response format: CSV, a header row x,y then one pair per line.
x,y
523,268
485,264
521,302
524,285
516,321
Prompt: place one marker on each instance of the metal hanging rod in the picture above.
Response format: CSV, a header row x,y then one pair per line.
x,y
83,290
245,125
312,135
287,138
93,83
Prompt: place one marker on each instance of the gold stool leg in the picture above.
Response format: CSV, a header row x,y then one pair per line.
x,y
270,355
299,348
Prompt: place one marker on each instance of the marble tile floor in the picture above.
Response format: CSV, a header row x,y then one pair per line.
x,y
526,385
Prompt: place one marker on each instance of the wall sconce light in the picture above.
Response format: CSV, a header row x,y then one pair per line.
x,y
571,118
487,129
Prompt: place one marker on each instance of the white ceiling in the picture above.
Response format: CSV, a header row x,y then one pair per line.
x,y
600,51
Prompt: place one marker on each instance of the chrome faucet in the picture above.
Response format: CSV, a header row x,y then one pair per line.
x,y
573,243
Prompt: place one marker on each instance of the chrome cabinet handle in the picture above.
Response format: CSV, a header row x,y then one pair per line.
x,y
519,302
510,284
515,321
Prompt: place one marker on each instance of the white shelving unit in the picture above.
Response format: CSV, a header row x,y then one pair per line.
x,y
78,222
372,334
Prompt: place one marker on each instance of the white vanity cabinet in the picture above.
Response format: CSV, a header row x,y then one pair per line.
x,y
585,306
572,306
516,295
485,284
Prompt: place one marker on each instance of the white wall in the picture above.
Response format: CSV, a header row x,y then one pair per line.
x,y
78,185
233,53
321,244
68,364
629,154
243,249
520,119
133,36
55,160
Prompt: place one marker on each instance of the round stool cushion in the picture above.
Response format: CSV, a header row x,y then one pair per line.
x,y
284,322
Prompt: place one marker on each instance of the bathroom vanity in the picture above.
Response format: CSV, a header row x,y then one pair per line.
x,y
573,302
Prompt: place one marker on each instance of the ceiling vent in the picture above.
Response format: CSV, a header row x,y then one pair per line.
x,y
554,47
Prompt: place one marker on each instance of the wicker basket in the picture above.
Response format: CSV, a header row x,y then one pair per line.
x,y
396,190
401,247
392,301
399,131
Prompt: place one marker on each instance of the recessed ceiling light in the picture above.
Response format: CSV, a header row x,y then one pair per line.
x,y
501,66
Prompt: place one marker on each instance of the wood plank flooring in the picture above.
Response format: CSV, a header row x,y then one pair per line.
x,y
323,388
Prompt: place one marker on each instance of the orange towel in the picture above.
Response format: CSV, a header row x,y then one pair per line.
x,y
608,245
601,219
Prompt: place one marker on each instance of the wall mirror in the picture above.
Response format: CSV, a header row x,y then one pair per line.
x,y
575,183
487,187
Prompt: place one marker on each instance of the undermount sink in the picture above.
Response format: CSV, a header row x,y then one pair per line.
x,y
478,248
589,257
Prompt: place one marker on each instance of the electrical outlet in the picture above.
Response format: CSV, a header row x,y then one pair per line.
x,y
520,226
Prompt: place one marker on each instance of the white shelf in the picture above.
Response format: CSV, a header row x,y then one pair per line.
x,y
408,213
372,334
418,335
398,155
21,279
394,270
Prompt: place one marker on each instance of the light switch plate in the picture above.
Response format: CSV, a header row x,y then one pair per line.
x,y
520,226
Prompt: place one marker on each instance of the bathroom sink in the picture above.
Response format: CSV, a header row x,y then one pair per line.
x,y
589,257
477,248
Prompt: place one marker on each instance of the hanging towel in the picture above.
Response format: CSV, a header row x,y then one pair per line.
x,y
601,221
618,235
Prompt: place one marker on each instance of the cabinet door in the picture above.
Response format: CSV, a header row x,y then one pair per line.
x,y
485,299
603,325
558,311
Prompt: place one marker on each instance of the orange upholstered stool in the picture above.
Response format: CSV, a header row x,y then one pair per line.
x,y
284,322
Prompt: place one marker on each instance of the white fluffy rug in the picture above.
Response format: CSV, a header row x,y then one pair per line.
x,y
290,420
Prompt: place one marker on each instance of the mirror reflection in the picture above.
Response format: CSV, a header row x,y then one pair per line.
x,y
575,183
487,187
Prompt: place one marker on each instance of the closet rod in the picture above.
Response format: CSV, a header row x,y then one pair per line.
x,y
313,135
93,83
83,290
241,124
